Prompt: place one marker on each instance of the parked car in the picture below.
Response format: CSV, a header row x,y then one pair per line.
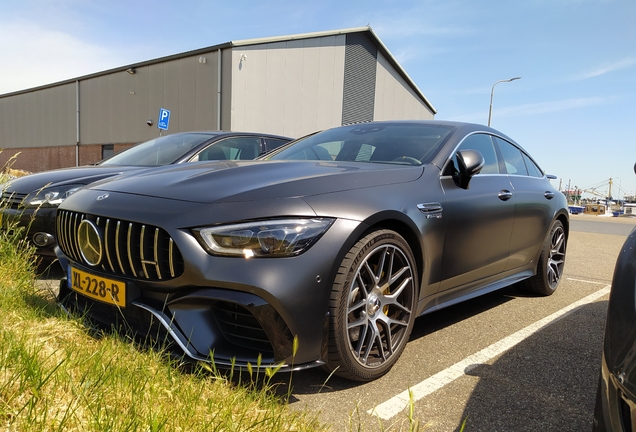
x,y
32,200
332,244
616,397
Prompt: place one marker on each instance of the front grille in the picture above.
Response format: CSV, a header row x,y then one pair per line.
x,y
12,200
129,249
240,327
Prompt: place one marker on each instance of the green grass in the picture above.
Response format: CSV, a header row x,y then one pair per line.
x,y
54,375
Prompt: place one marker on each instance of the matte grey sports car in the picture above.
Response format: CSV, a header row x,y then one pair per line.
x,y
32,200
338,240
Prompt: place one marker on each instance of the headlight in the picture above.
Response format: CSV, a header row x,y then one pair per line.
x,y
271,238
51,196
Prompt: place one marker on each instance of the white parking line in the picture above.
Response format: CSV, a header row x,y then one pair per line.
x,y
587,281
396,404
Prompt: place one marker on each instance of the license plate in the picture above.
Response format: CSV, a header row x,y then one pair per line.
x,y
105,290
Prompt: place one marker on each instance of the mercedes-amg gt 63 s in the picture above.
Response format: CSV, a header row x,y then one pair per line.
x,y
332,244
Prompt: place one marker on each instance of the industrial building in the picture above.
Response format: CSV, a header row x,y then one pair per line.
x,y
288,85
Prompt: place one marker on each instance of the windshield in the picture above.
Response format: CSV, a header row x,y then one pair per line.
x,y
396,143
159,151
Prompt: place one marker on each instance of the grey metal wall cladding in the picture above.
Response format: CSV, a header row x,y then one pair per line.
x,y
358,97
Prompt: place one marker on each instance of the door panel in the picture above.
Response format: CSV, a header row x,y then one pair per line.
x,y
533,206
533,215
478,228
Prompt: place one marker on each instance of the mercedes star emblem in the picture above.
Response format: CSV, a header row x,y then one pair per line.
x,y
90,242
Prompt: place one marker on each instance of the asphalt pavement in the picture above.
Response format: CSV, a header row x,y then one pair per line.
x,y
504,362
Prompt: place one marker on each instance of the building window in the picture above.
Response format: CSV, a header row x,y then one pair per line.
x,y
107,150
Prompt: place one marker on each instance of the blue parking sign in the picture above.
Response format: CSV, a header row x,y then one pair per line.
x,y
164,119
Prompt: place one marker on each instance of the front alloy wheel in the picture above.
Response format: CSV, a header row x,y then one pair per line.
x,y
372,306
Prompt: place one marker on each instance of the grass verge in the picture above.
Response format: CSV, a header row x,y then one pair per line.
x,y
55,376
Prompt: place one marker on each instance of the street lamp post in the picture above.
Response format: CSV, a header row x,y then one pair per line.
x,y
492,93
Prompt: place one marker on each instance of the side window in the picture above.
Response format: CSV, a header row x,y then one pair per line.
x,y
236,148
273,143
533,169
484,145
108,150
513,158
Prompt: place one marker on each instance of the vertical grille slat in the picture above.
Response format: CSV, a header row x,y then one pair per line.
x,y
142,255
118,248
171,257
75,224
145,251
60,237
129,239
107,244
156,249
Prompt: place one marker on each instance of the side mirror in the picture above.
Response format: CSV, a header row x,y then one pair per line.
x,y
470,164
635,168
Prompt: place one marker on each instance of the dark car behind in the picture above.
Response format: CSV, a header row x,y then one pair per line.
x,y
31,201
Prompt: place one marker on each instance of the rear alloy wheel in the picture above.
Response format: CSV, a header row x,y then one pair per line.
x,y
551,262
372,306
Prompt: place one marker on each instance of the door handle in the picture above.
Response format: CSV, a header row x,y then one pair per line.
x,y
431,210
549,195
505,195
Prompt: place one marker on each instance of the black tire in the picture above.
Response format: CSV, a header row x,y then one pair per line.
x,y
551,262
372,306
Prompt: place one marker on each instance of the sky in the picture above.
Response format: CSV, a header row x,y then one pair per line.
x,y
573,110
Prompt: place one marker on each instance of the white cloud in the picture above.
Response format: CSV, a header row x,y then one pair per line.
x,y
549,107
608,68
535,109
34,56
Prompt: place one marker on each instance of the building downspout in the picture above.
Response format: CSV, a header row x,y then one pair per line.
x,y
77,123
218,95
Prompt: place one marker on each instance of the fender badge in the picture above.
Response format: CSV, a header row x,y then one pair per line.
x,y
102,197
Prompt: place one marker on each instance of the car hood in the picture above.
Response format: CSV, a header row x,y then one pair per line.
x,y
80,175
257,180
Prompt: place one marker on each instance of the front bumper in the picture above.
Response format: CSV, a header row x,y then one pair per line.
x,y
231,328
38,225
233,310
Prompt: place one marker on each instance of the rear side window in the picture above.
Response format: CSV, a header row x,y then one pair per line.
x,y
513,158
533,169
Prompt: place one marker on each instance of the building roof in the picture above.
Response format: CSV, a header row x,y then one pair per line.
x,y
247,42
